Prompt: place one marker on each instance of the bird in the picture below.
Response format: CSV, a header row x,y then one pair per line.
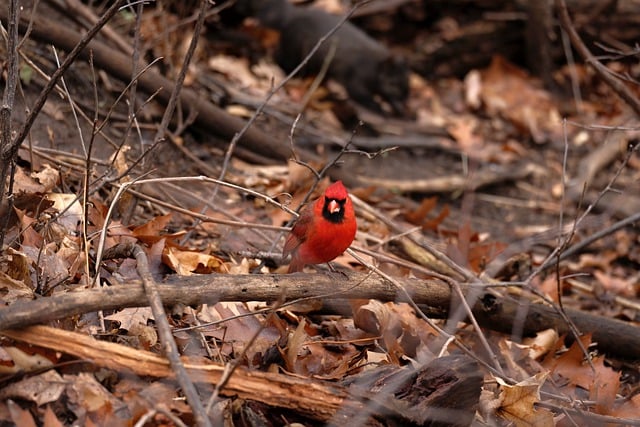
x,y
323,231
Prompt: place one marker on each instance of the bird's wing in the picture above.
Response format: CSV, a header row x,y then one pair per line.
x,y
299,232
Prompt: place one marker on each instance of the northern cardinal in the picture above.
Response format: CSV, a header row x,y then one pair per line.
x,y
324,229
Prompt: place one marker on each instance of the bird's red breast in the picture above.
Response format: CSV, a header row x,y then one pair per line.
x,y
324,230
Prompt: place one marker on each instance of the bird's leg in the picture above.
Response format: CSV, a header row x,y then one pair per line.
x,y
335,272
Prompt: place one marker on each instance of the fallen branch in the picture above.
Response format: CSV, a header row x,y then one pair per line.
x,y
404,395
497,312
446,184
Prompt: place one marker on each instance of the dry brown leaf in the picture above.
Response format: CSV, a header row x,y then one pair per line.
x,y
25,184
518,403
57,267
604,387
90,400
629,409
480,254
116,232
48,178
616,285
307,356
16,265
18,359
235,333
186,262
30,237
294,347
70,209
464,132
419,215
13,290
145,335
403,333
128,317
602,384
153,228
509,91
40,389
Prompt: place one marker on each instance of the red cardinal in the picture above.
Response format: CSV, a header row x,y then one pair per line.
x,y
323,230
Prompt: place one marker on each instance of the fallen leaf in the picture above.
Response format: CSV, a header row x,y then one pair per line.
x,y
12,290
128,317
629,409
518,402
91,400
508,91
40,389
186,263
616,285
601,381
402,333
152,229
25,358
69,208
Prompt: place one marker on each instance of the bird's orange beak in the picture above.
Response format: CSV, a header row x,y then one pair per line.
x,y
333,206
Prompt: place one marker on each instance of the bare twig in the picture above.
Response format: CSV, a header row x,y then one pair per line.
x,y
615,84
9,151
175,95
280,85
164,329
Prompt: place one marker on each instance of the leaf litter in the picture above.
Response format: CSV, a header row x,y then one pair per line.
x,y
54,238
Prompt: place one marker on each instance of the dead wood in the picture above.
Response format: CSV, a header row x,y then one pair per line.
x,y
500,27
444,392
452,183
493,311
504,314
210,117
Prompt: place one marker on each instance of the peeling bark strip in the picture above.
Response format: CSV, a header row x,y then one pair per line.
x,y
444,390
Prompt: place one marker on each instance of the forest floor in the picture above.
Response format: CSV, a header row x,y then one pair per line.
x,y
494,278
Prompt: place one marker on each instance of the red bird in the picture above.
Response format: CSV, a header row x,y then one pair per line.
x,y
323,230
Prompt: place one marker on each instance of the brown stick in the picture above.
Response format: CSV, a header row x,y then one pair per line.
x,y
433,297
169,346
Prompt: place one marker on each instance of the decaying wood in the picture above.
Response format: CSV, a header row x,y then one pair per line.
x,y
445,391
498,312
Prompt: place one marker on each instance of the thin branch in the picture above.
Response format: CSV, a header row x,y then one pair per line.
x,y
604,73
170,349
6,109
